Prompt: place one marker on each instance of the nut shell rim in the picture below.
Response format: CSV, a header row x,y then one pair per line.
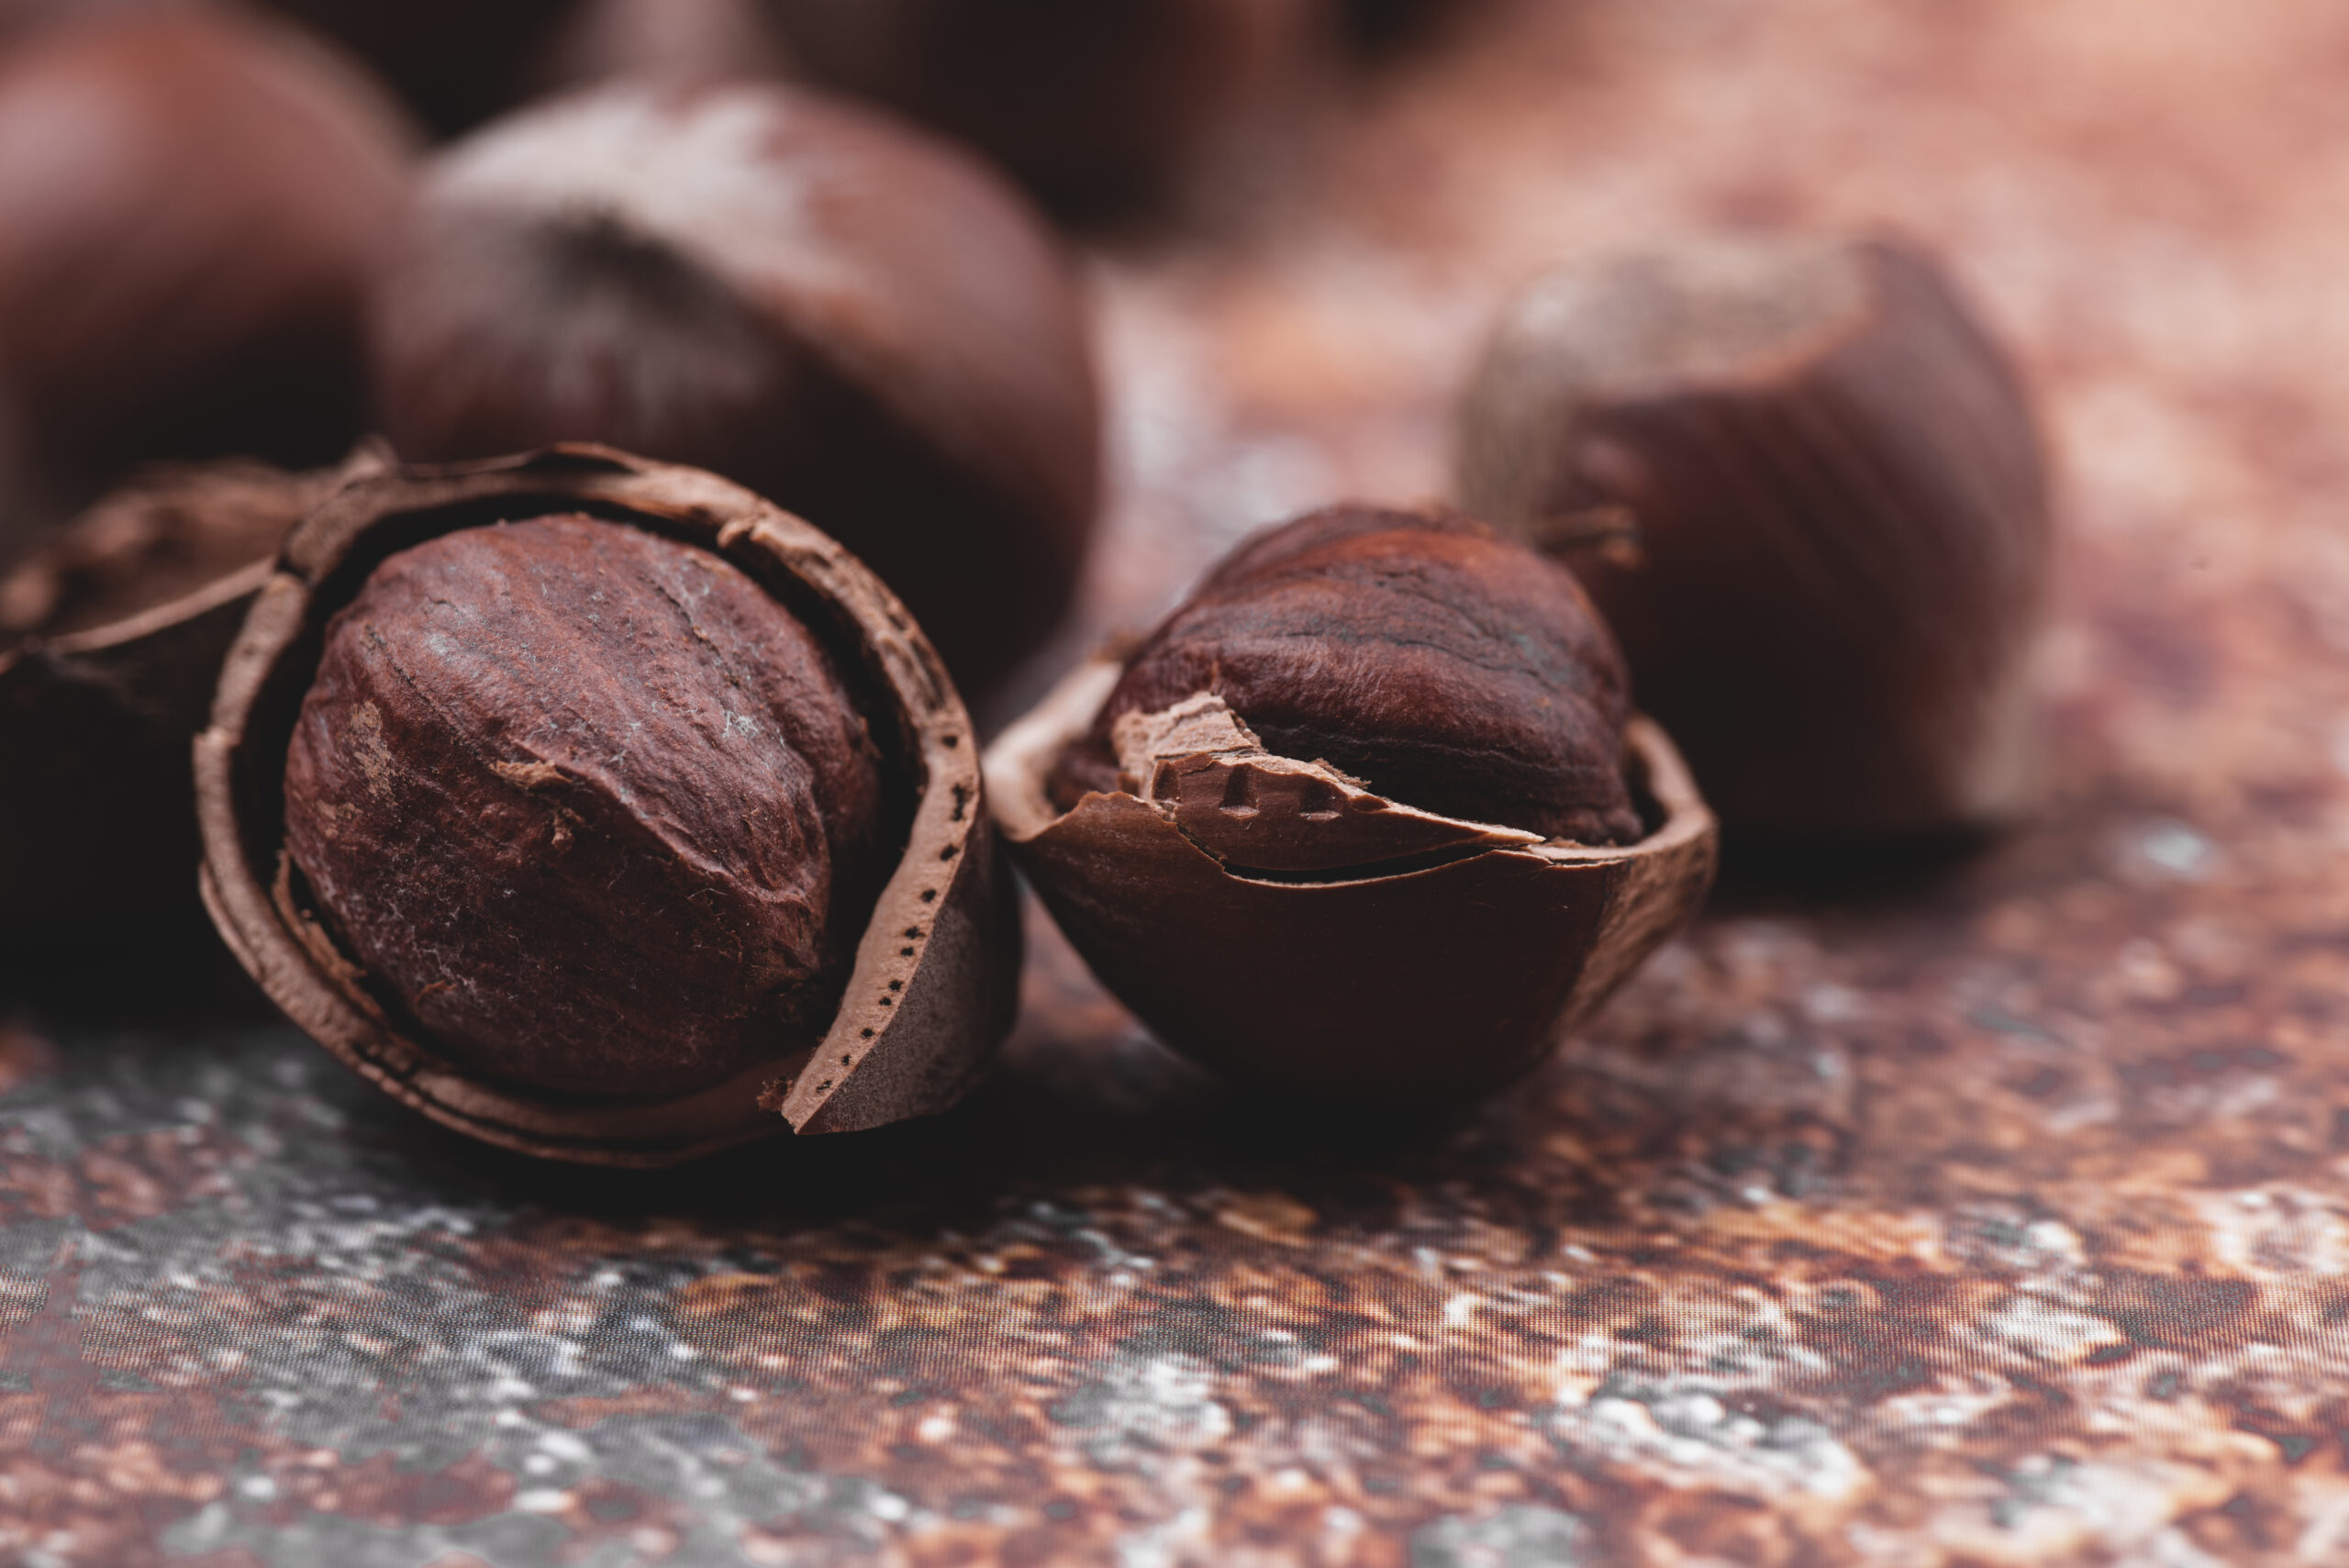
x,y
911,1032
1608,908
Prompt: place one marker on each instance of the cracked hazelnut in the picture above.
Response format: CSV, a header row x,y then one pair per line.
x,y
600,809
1839,498
191,199
835,312
1369,811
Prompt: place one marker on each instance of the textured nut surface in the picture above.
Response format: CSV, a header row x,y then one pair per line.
x,y
931,964
1840,503
597,807
1445,668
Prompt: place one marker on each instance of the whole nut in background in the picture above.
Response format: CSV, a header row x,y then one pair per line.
x,y
600,809
1317,911
1092,107
1841,505
189,198
850,317
111,638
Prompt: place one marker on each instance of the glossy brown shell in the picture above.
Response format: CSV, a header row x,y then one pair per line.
x,y
1370,948
935,977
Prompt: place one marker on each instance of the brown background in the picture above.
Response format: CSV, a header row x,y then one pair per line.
x,y
1999,1215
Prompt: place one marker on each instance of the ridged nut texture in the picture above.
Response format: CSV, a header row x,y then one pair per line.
x,y
591,802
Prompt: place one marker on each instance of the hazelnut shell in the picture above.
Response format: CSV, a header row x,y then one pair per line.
x,y
111,639
916,1026
1371,949
1839,498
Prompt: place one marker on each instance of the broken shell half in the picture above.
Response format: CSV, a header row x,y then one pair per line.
x,y
1276,919
935,978
111,636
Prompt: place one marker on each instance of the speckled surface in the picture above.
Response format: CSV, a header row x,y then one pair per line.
x,y
1996,1214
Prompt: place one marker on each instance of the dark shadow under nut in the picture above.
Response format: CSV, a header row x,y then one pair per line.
x,y
597,807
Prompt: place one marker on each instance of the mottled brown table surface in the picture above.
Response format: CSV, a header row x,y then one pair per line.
x,y
1994,1214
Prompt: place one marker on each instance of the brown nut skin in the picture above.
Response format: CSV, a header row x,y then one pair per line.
x,y
932,984
111,638
1840,500
1271,915
1094,108
1443,667
592,803
844,315
193,196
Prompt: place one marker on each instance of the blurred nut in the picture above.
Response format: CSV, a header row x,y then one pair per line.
x,y
189,198
664,41
845,315
1840,505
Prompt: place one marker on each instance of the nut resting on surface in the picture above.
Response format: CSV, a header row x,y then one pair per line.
x,y
1367,813
598,808
189,199
840,313
111,638
1839,502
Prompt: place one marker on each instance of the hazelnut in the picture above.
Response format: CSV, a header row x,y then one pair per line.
x,y
847,317
111,636
1092,107
188,200
1368,811
598,808
1839,502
